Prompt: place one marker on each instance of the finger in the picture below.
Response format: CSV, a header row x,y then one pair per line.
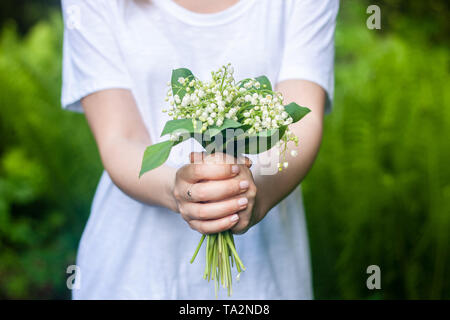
x,y
217,190
244,223
204,171
248,163
226,158
215,210
193,173
196,157
244,161
214,226
220,158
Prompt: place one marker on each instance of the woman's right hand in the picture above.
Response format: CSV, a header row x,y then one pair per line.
x,y
209,195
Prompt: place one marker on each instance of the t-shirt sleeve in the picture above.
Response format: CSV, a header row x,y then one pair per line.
x,y
92,60
309,44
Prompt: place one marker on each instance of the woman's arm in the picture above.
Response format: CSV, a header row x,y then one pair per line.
x,y
266,191
309,132
121,137
217,190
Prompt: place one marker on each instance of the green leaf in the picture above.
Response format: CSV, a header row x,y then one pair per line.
x,y
266,133
264,141
210,139
257,143
265,83
227,124
177,88
295,111
155,155
181,125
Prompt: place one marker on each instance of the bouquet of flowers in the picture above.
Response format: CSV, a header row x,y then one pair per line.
x,y
245,117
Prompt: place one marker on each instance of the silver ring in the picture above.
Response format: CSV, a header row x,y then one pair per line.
x,y
189,193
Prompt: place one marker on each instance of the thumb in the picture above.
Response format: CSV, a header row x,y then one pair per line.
x,y
196,157
248,162
245,161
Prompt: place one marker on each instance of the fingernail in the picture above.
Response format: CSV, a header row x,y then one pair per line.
x,y
235,169
243,184
234,217
242,201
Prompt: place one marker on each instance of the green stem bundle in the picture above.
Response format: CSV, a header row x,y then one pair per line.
x,y
221,256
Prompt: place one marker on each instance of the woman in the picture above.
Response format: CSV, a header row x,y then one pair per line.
x,y
118,57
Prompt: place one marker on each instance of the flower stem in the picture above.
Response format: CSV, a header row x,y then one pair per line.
x,y
220,257
198,248
236,256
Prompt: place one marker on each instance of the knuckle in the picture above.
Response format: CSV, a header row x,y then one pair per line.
x,y
199,194
232,188
176,193
202,213
197,170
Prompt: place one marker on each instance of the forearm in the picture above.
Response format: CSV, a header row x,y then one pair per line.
x,y
273,188
122,160
122,138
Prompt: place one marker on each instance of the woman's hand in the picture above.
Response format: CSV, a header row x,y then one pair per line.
x,y
210,192
252,214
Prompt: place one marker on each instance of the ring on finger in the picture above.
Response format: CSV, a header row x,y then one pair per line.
x,y
189,193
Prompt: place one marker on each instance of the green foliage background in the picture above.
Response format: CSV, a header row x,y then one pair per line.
x,y
379,192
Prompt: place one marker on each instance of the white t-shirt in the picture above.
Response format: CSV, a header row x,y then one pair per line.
x,y
130,250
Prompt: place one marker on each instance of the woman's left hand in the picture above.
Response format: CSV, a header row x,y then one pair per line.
x,y
251,215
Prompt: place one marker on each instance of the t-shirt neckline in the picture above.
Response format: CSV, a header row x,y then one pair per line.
x,y
204,19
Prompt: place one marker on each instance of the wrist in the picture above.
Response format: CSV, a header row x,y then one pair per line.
x,y
260,209
171,202
261,200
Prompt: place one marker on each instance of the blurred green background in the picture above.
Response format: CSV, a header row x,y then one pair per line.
x,y
379,192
